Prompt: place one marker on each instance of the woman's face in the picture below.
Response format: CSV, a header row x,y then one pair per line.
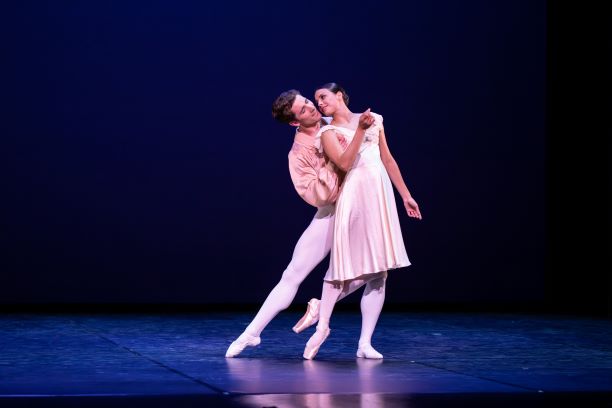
x,y
327,101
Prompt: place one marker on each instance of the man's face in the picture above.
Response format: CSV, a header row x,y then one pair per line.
x,y
306,114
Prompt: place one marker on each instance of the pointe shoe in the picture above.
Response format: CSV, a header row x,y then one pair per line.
x,y
310,317
314,343
241,343
367,351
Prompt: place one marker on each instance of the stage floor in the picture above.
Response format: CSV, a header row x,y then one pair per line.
x,y
431,360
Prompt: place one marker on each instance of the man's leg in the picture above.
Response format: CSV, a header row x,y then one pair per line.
x,y
312,247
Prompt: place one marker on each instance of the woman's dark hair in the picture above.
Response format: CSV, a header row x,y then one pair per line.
x,y
335,88
281,108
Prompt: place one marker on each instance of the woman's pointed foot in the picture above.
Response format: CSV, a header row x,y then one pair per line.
x,y
243,341
314,343
310,318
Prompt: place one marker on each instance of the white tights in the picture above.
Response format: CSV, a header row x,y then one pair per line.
x,y
312,247
372,302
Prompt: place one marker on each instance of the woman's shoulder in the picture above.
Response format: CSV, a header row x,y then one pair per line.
x,y
332,130
327,128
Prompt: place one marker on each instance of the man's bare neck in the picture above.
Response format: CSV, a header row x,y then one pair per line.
x,y
310,130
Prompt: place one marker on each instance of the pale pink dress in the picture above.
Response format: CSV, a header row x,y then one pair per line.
x,y
367,234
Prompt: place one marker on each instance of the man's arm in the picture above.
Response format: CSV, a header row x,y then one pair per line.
x,y
317,186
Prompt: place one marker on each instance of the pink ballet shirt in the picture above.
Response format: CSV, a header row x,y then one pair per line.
x,y
315,178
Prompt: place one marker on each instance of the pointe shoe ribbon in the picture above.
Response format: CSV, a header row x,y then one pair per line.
x,y
310,317
241,343
314,343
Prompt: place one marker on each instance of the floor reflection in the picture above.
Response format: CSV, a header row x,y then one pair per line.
x,y
324,401
310,383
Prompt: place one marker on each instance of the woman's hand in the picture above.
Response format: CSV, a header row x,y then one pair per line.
x,y
366,119
412,208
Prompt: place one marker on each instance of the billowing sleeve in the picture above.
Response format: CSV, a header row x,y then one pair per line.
x,y
378,119
317,186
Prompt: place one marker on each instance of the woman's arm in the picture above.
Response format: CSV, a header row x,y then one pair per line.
x,y
412,208
344,158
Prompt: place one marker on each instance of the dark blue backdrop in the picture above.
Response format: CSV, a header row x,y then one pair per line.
x,y
141,163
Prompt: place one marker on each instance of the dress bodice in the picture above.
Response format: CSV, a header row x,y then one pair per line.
x,y
369,151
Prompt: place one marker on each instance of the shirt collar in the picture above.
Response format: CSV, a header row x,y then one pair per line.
x,y
304,139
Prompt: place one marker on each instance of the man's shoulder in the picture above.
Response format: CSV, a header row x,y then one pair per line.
x,y
297,150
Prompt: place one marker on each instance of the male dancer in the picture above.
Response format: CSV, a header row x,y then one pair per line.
x,y
317,181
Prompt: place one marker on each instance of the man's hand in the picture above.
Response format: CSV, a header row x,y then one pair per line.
x,y
366,119
412,208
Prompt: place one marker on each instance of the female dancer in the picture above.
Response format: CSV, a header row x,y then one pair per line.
x,y
367,236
